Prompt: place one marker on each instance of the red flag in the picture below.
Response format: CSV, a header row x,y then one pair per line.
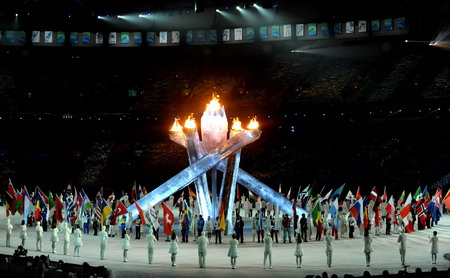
x,y
58,209
373,194
385,197
191,193
238,194
168,219
133,193
366,218
142,215
358,194
121,210
377,216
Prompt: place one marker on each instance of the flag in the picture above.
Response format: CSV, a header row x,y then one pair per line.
x,y
447,203
44,197
40,204
187,215
222,218
28,207
141,214
303,193
390,209
11,203
288,196
99,206
404,213
139,193
350,195
373,194
154,218
357,211
133,192
144,191
366,217
120,210
402,197
377,215
338,192
252,197
421,209
238,194
327,196
51,201
168,219
358,194
418,194
106,210
446,195
191,193
58,209
334,207
316,214
426,194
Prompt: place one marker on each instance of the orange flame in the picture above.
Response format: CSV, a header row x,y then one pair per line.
x,y
214,104
253,124
237,126
176,127
190,122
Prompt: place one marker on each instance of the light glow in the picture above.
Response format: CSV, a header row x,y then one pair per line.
x,y
176,127
237,125
190,122
213,105
253,124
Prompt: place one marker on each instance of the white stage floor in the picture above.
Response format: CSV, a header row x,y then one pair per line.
x,y
347,256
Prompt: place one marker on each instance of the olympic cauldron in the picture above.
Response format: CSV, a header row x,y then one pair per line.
x,y
217,151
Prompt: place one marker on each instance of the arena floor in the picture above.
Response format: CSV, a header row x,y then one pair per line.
x,y
347,257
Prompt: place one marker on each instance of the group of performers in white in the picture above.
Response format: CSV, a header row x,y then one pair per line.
x,y
203,231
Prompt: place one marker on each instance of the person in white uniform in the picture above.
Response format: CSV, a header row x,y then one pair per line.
x,y
434,248
9,229
65,230
298,250
402,248
103,238
39,235
202,242
233,252
367,249
268,250
329,248
77,242
54,236
126,246
23,232
173,249
151,239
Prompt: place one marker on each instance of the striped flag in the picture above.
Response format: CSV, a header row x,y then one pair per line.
x,y
316,214
402,197
252,197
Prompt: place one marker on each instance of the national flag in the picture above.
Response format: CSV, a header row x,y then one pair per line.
x,y
51,201
327,196
402,197
446,195
133,193
19,203
373,194
338,192
238,194
426,194
12,200
358,194
377,215
390,209
120,210
154,218
141,214
106,210
438,193
366,217
191,193
288,196
252,197
418,195
180,200
334,207
44,197
407,207
168,219
222,222
385,197
99,206
303,193
40,204
139,193
447,203
421,209
28,207
316,214
349,196
187,212
434,208
144,191
357,211
58,209
80,202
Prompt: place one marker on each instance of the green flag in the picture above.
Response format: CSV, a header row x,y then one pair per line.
x,y
316,215
418,194
51,201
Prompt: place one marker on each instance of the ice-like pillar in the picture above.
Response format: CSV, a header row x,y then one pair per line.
x,y
214,127
189,174
265,192
201,183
